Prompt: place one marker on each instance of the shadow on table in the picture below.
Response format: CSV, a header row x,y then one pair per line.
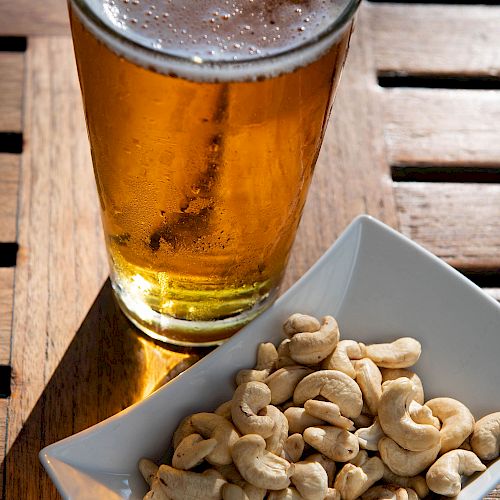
x,y
108,366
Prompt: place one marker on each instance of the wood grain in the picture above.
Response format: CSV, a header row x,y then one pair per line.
x,y
11,88
6,301
107,367
436,39
4,403
352,176
27,17
458,222
61,261
9,176
65,381
436,127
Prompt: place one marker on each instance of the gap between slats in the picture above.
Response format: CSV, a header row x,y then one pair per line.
x,y
469,82
13,43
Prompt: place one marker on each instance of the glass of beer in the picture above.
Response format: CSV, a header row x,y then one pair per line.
x,y
205,120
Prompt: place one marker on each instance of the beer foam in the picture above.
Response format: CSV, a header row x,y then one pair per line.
x,y
218,40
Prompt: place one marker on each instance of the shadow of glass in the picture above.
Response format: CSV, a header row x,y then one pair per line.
x,y
108,366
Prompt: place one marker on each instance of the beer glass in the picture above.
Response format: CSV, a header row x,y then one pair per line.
x,y
205,121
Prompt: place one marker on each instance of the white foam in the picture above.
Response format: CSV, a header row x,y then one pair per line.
x,y
109,24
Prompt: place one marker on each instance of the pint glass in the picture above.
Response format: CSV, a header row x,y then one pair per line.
x,y
205,121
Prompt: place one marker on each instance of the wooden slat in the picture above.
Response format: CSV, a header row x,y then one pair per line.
x,y
61,264
6,301
106,368
11,88
440,127
436,39
9,176
458,222
351,175
3,433
26,17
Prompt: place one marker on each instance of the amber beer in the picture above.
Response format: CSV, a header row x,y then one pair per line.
x,y
202,157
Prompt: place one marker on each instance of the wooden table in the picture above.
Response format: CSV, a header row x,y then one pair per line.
x,y
415,141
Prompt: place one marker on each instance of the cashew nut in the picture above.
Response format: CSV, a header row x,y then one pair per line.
x,y
362,421
394,373
353,481
156,492
401,353
286,494
338,444
267,356
326,463
294,447
284,358
360,458
299,420
298,322
148,470
329,412
416,483
283,382
396,421
389,492
254,493
332,494
224,410
180,484
233,492
184,429
248,400
369,379
210,425
310,348
192,450
276,441
333,385
242,492
457,421
370,436
403,462
485,440
445,474
231,474
340,358
310,479
258,466
422,414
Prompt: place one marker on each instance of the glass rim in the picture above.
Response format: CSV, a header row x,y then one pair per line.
x,y
335,27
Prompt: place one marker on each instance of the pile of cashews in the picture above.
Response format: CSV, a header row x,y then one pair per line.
x,y
317,404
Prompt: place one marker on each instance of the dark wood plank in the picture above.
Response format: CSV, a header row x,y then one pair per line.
x,y
458,222
436,39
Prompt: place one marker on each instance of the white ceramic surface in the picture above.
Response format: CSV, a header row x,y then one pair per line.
x,y
379,285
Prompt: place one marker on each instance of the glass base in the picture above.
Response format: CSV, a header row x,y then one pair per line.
x,y
187,333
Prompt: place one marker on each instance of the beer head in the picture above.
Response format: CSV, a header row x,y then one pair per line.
x,y
223,40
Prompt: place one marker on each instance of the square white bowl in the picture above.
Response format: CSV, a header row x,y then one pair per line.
x,y
380,286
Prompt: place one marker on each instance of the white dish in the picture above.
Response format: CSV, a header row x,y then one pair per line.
x,y
379,285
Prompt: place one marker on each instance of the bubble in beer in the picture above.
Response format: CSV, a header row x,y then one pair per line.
x,y
203,23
